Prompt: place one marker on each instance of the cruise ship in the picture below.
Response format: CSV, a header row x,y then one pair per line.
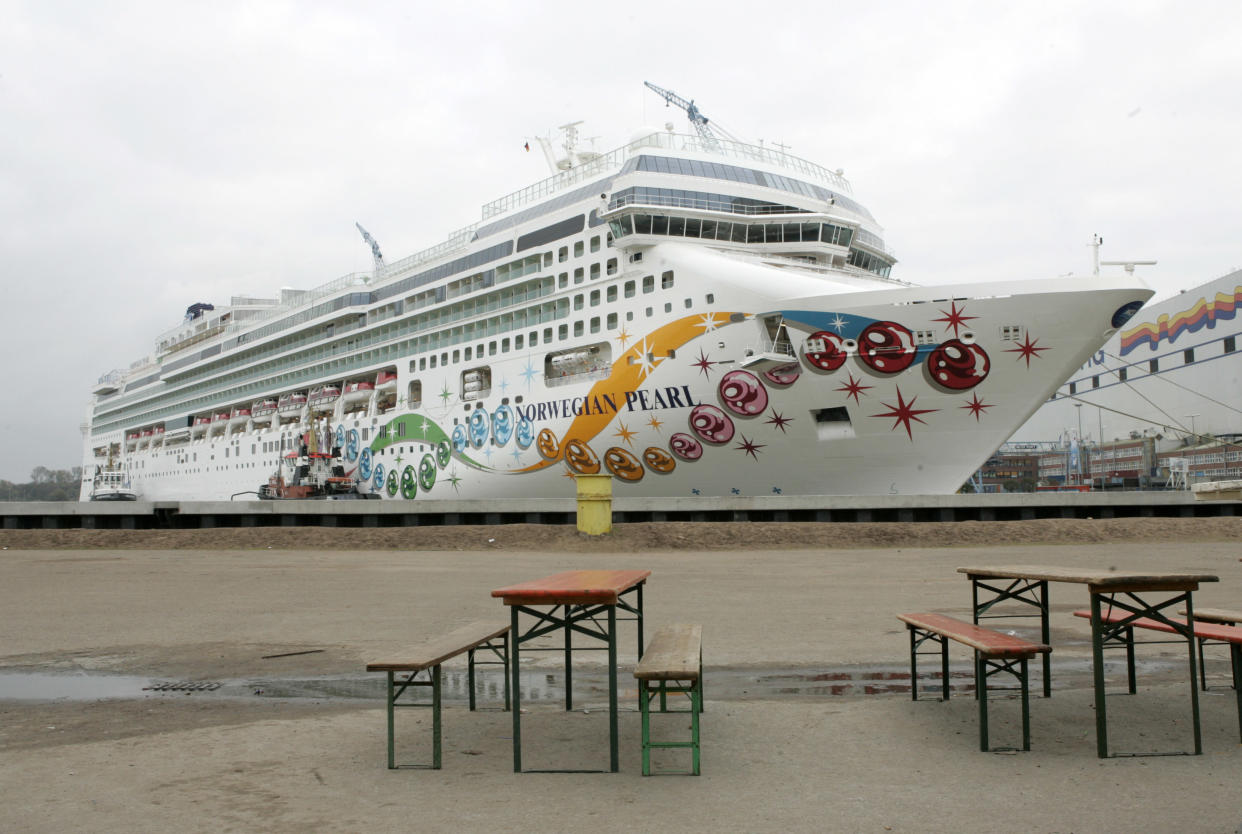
x,y
689,314
1172,374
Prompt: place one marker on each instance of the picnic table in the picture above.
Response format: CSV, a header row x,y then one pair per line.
x,y
1127,591
583,602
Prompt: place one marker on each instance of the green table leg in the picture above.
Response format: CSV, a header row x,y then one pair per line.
x,y
1097,658
516,689
614,748
435,717
392,756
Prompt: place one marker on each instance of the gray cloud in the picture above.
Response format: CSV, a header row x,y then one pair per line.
x,y
154,155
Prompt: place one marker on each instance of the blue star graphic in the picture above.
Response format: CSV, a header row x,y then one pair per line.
x,y
776,490
736,491
529,372
696,491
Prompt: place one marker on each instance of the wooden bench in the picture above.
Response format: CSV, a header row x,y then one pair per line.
x,y
428,657
672,664
1204,629
994,652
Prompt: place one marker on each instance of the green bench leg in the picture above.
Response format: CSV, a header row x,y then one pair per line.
x,y
662,690
917,638
395,693
645,704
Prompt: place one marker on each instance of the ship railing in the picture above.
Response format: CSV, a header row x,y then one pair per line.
x,y
456,240
306,299
700,205
669,141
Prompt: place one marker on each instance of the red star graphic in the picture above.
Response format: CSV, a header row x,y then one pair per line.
x,y
704,364
976,406
1027,349
779,421
954,318
904,412
749,447
854,387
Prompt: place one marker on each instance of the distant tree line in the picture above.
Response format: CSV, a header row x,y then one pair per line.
x,y
45,485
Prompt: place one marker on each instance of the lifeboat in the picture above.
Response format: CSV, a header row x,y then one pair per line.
x,y
324,396
386,381
157,436
262,412
131,441
238,418
219,422
358,392
199,427
144,438
291,404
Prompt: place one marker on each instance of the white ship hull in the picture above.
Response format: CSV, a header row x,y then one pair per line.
x,y
705,367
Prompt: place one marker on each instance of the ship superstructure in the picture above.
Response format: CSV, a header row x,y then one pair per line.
x,y
691,314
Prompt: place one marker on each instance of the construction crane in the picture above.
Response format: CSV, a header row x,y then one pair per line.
x,y
695,115
376,255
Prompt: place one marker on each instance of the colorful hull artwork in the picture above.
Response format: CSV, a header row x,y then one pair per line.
x,y
904,418
1204,312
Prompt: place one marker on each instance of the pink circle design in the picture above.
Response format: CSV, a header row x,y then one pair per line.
x,y
743,393
711,424
831,354
685,446
958,366
886,347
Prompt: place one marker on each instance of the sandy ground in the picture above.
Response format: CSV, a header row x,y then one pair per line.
x,y
790,613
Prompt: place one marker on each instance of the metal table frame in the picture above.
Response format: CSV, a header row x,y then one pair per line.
x,y
1116,590
594,619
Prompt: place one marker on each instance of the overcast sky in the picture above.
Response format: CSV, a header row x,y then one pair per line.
x,y
155,154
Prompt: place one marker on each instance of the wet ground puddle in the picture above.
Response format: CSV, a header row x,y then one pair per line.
x,y
589,684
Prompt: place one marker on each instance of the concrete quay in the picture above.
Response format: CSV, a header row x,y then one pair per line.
x,y
143,515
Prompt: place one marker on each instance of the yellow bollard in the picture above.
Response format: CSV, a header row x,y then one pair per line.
x,y
594,504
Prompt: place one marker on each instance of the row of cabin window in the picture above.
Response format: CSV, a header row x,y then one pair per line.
x,y
520,341
562,280
521,266
735,232
1228,344
562,254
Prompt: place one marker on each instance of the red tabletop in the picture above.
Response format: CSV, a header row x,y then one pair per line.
x,y
573,587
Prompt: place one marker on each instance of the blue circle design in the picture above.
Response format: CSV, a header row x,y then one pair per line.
x,y
378,480
351,445
459,438
364,465
340,436
478,428
502,425
525,433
